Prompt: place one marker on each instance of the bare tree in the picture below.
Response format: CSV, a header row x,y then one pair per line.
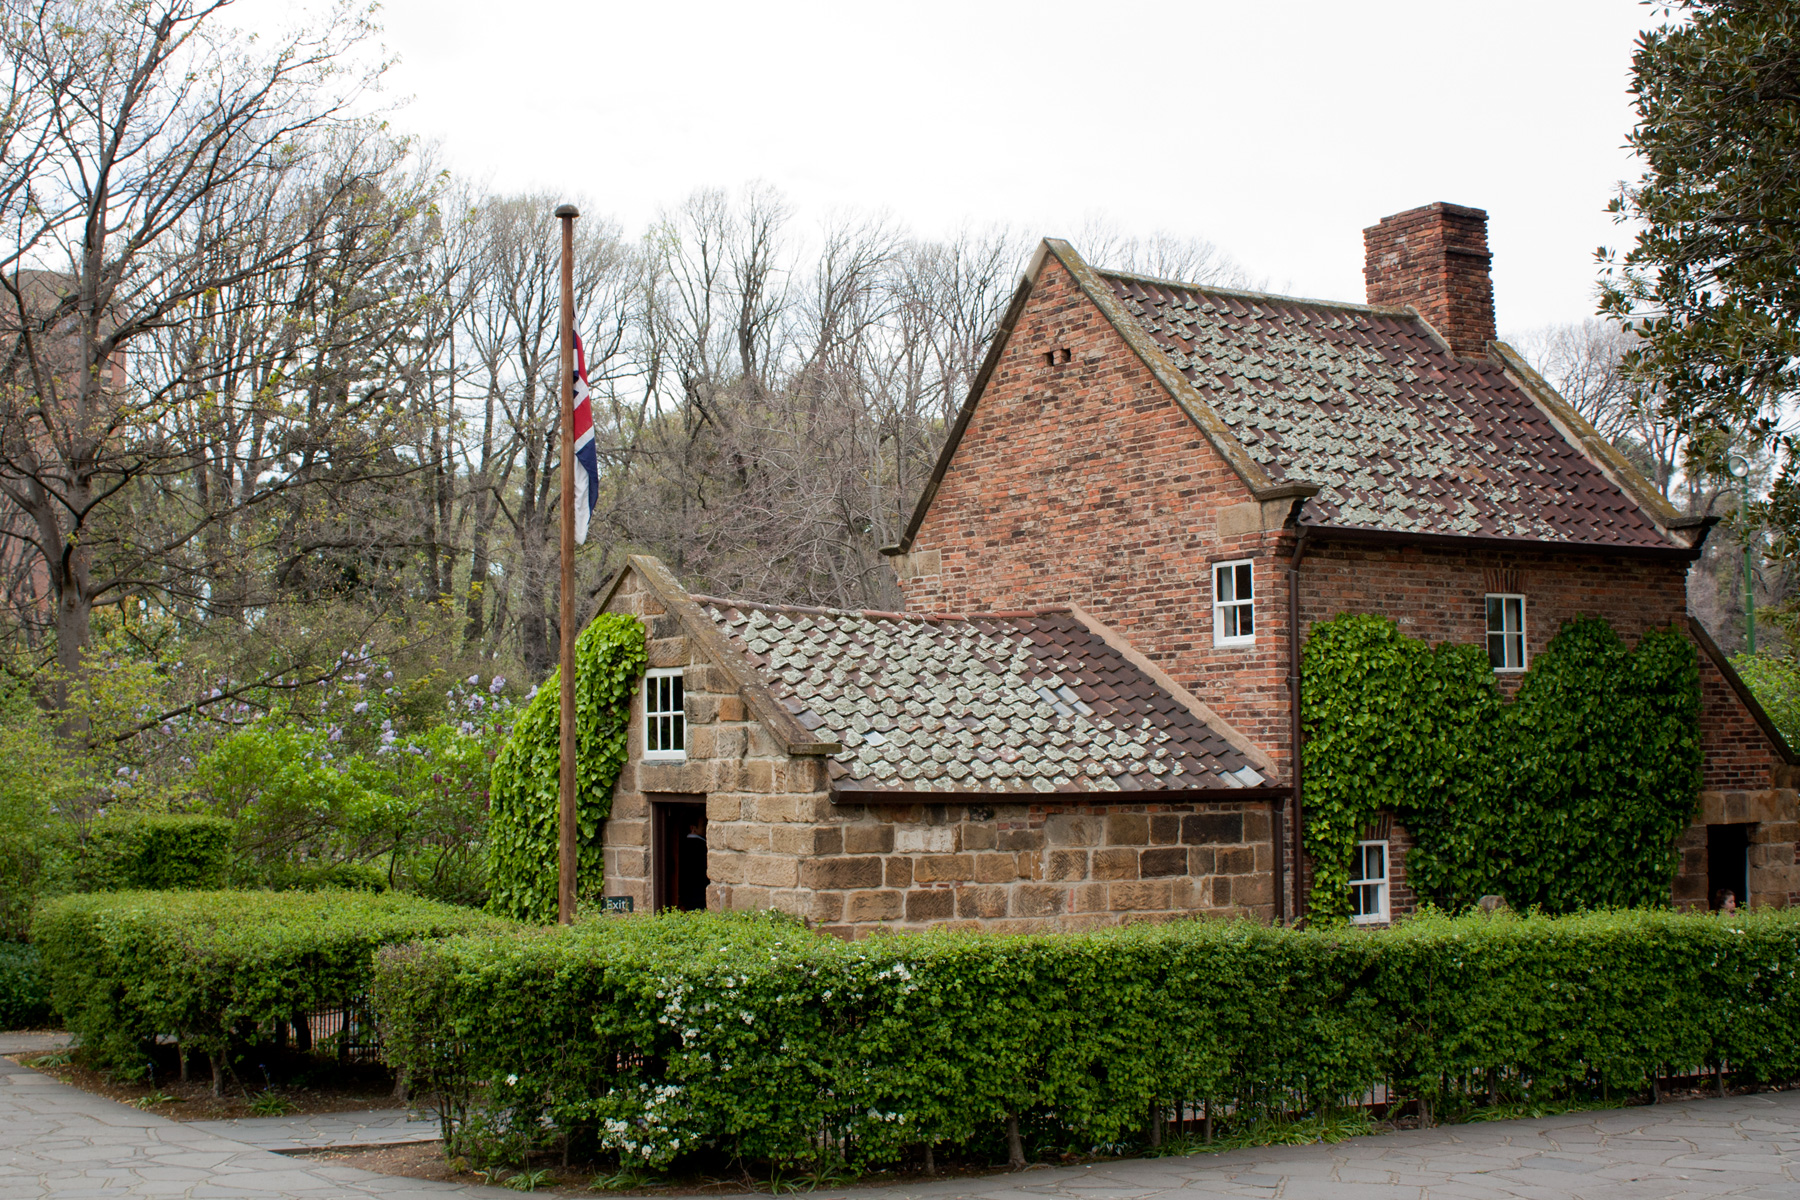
x,y
154,120
1583,361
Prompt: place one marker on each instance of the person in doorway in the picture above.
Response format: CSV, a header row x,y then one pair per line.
x,y
693,868
1725,901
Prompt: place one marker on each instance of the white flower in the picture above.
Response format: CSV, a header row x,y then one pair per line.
x,y
512,1081
475,679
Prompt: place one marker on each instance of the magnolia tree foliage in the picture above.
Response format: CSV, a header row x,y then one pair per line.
x,y
1711,285
1570,796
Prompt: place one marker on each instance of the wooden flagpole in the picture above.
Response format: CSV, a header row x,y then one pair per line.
x,y
565,813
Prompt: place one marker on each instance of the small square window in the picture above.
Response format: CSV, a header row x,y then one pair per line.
x,y
665,720
1234,603
1369,883
1506,632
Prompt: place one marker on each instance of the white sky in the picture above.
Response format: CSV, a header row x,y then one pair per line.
x,y
1276,129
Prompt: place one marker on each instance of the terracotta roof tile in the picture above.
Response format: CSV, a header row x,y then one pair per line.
x,y
996,702
1402,435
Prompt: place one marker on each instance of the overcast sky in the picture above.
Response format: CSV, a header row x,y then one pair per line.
x,y
1277,130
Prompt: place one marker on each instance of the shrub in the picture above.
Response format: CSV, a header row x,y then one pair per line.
x,y
655,1036
343,877
217,969
24,1001
155,852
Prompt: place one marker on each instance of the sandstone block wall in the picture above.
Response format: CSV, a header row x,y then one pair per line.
x,y
775,838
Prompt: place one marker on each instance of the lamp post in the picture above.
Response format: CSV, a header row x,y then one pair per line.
x,y
1739,466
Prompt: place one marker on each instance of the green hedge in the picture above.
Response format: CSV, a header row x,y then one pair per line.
x,y
155,852
218,969
24,1000
752,1036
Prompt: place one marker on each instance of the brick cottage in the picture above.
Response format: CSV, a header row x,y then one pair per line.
x,y
1088,713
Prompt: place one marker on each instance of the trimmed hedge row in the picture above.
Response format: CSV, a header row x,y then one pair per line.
x,y
156,851
752,1036
218,969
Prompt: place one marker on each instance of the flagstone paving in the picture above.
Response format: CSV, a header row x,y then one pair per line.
x,y
56,1141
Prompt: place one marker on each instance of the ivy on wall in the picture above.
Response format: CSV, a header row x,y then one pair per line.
x,y
522,832
1570,796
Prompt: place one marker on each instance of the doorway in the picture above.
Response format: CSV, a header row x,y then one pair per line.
x,y
1728,863
678,850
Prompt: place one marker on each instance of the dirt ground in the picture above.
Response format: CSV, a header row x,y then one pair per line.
x,y
194,1101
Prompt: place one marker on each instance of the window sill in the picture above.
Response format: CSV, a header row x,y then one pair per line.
x,y
660,756
1382,920
1233,643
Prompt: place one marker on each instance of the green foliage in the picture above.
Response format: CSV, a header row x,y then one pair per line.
x,y
657,1035
1775,679
24,1000
1391,724
1713,282
346,877
1570,796
155,852
215,968
522,837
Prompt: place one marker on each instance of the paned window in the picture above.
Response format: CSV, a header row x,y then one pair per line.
x,y
1369,883
1506,632
665,721
1234,604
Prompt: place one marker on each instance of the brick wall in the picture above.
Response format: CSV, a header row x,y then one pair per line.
x,y
1436,259
1083,483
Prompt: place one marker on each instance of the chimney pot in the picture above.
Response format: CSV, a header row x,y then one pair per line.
x,y
1436,259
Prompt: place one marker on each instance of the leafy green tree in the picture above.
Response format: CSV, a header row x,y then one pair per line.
x,y
1712,285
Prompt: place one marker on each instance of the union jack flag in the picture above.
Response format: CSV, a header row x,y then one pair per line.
x,y
587,479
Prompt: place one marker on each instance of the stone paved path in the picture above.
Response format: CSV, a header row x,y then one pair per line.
x,y
376,1127
58,1142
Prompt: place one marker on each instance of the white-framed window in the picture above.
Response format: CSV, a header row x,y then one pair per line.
x,y
1506,631
1234,603
665,721
1369,883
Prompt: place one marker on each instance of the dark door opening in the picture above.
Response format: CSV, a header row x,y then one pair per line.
x,y
1727,863
679,849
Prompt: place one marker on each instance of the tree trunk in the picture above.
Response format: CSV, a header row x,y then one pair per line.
x,y
1015,1146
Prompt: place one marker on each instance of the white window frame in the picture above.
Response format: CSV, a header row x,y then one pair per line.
x,y
1510,638
1222,608
665,715
1382,885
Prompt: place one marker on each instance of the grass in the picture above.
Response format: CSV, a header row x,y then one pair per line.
x,y
1269,1131
272,1104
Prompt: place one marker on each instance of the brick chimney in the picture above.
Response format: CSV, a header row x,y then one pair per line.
x,y
1436,259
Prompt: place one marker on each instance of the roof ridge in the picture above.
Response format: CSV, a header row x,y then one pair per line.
x,y
1386,310
876,614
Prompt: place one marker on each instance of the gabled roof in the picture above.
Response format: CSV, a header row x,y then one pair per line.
x,y
1399,433
1367,414
997,703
